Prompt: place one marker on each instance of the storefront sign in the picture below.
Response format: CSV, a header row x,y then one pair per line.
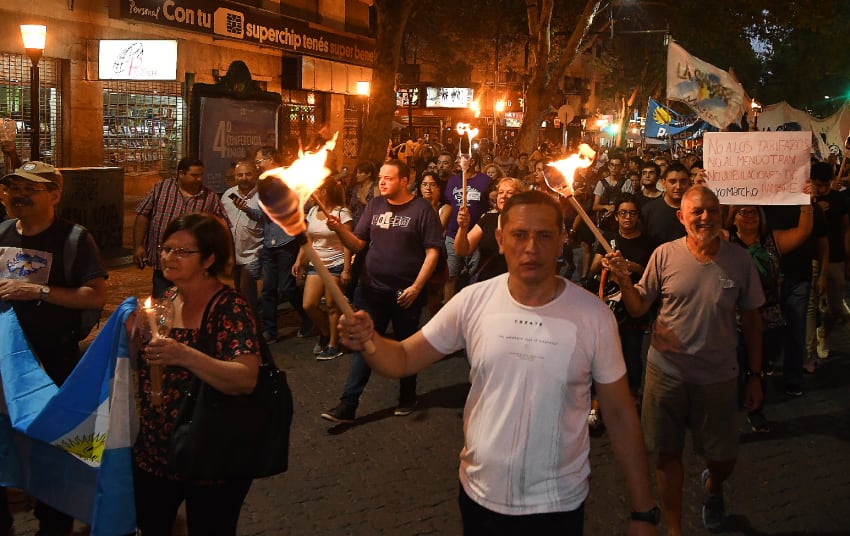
x,y
234,21
231,130
137,60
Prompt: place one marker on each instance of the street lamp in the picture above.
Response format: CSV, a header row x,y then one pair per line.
x,y
34,36
363,91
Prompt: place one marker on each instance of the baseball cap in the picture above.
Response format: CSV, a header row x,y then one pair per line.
x,y
36,172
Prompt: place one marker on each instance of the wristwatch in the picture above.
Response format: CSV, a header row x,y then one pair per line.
x,y
43,292
651,516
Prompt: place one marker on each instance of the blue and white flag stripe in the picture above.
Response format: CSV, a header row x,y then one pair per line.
x,y
70,447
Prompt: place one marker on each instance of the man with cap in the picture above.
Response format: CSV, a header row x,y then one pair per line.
x,y
47,296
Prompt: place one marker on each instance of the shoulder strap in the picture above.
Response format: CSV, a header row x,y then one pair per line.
x,y
202,335
5,225
72,245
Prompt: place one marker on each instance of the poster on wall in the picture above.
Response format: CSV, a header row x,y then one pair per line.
x,y
137,59
231,130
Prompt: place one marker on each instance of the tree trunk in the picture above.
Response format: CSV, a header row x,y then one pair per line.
x,y
546,71
392,16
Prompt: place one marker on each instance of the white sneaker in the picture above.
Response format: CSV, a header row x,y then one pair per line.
x,y
593,419
823,347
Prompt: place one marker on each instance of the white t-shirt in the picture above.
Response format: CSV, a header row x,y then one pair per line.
x,y
526,440
247,233
327,244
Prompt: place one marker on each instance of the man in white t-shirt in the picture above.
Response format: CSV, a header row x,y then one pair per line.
x,y
534,342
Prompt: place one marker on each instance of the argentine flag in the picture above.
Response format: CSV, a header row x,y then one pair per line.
x,y
70,447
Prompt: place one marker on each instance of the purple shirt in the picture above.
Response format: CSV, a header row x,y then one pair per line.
x,y
477,190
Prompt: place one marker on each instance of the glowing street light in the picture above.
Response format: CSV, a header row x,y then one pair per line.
x,y
34,37
363,88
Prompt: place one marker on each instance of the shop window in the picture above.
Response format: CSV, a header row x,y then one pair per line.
x,y
301,122
15,104
143,125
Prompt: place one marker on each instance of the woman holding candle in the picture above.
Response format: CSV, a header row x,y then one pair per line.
x,y
335,257
223,353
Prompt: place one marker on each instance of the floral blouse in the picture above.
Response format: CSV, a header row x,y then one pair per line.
x,y
233,329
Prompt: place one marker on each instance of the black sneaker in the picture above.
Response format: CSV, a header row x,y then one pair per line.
x,y
405,408
758,422
713,508
343,413
330,352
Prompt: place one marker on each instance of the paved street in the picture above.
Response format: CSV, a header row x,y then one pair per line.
x,y
398,475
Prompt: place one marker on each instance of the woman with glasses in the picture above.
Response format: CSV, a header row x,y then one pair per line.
x,y
222,352
430,189
747,228
636,247
335,257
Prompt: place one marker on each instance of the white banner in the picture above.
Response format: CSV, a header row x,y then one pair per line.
x,y
715,94
758,168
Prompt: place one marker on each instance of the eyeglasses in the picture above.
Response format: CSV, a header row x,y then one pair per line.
x,y
629,213
261,160
178,252
26,190
748,212
615,164
428,185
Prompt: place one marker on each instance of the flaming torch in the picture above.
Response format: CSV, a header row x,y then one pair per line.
x,y
564,186
284,191
463,129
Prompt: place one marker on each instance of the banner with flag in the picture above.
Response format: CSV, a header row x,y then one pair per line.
x,y
664,123
715,94
70,446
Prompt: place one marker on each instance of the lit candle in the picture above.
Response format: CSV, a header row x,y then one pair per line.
x,y
156,370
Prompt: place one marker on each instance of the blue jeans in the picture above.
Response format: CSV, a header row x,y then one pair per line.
x,y
278,280
795,302
383,309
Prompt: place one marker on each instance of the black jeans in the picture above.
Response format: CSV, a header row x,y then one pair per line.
x,y
479,521
211,508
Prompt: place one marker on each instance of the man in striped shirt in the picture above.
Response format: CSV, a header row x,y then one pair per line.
x,y
168,199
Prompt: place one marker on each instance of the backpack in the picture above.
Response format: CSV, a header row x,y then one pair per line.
x,y
610,196
89,318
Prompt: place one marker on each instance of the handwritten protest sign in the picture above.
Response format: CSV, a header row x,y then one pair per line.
x,y
758,168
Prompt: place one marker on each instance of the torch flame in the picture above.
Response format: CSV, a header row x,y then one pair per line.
x,y
569,165
284,191
148,304
464,128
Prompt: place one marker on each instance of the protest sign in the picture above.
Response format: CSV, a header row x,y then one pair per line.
x,y
758,168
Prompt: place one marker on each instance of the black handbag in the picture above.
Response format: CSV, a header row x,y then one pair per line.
x,y
218,436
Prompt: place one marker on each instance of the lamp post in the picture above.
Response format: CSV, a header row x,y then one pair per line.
x,y
34,36
363,92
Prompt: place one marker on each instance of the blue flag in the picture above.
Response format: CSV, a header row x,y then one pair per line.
x,y
70,446
664,123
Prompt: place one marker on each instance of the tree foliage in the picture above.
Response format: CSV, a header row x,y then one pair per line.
x,y
778,50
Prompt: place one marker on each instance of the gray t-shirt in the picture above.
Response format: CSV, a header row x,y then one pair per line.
x,y
695,335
